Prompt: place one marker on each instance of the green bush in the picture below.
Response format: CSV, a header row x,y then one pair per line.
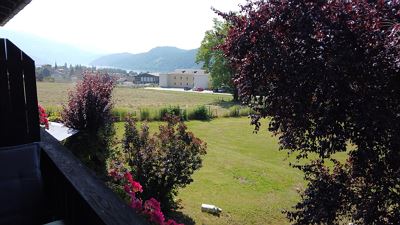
x,y
200,113
184,115
55,118
246,111
238,111
165,161
172,110
145,114
120,114
234,111
53,113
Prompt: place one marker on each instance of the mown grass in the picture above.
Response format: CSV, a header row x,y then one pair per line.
x,y
243,173
134,99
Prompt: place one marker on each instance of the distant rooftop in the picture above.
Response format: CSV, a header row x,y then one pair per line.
x,y
189,71
10,8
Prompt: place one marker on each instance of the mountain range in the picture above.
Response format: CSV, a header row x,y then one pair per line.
x,y
44,51
159,59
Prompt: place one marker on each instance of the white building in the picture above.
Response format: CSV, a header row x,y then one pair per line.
x,y
185,78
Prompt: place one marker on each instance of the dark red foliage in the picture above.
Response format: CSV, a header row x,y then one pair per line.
x,y
89,106
89,111
165,161
327,73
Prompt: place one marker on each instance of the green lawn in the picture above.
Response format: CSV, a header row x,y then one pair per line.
x,y
243,173
55,94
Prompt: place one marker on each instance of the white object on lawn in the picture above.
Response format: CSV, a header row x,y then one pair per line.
x,y
59,131
210,209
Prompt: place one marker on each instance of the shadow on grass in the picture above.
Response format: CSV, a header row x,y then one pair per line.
x,y
225,104
180,217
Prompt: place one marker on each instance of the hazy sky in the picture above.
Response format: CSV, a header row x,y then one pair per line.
x,y
121,25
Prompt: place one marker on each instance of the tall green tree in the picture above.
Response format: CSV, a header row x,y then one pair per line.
x,y
213,59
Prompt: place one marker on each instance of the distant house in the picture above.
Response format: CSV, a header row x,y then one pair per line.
x,y
146,78
121,80
185,78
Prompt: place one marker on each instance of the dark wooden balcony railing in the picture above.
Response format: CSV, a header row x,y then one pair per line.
x,y
71,192
77,195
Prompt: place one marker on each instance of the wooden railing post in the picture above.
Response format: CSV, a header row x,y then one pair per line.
x,y
18,98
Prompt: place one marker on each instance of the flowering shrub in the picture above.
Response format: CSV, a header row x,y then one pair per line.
x,y
151,208
43,120
165,161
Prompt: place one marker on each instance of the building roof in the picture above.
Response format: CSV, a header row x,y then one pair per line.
x,y
10,8
146,75
188,72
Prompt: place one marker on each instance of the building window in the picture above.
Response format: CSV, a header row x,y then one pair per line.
x,y
174,83
181,84
181,78
187,78
187,83
175,77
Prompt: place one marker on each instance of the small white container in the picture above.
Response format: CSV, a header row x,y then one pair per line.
x,y
210,209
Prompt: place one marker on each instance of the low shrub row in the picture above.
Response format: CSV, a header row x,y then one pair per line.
x,y
53,113
201,112
238,111
197,113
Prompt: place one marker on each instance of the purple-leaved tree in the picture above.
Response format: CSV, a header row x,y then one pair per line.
x,y
89,110
327,74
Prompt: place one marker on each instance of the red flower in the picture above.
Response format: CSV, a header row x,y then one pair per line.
x,y
157,217
137,204
136,187
43,117
172,222
129,177
150,208
127,188
152,205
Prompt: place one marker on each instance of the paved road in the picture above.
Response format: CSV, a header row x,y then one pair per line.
x,y
182,90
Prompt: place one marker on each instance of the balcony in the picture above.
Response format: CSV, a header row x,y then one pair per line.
x,y
67,190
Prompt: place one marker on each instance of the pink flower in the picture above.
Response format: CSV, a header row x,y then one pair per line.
x,y
129,177
157,217
137,204
152,205
150,208
136,187
127,188
172,222
113,173
43,117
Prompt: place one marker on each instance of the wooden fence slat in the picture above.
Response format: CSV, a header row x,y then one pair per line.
x,y
5,103
19,120
31,98
18,113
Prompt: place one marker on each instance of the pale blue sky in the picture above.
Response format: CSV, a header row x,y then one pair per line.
x,y
121,25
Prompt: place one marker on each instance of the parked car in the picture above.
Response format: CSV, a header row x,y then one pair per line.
x,y
186,88
220,90
199,89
